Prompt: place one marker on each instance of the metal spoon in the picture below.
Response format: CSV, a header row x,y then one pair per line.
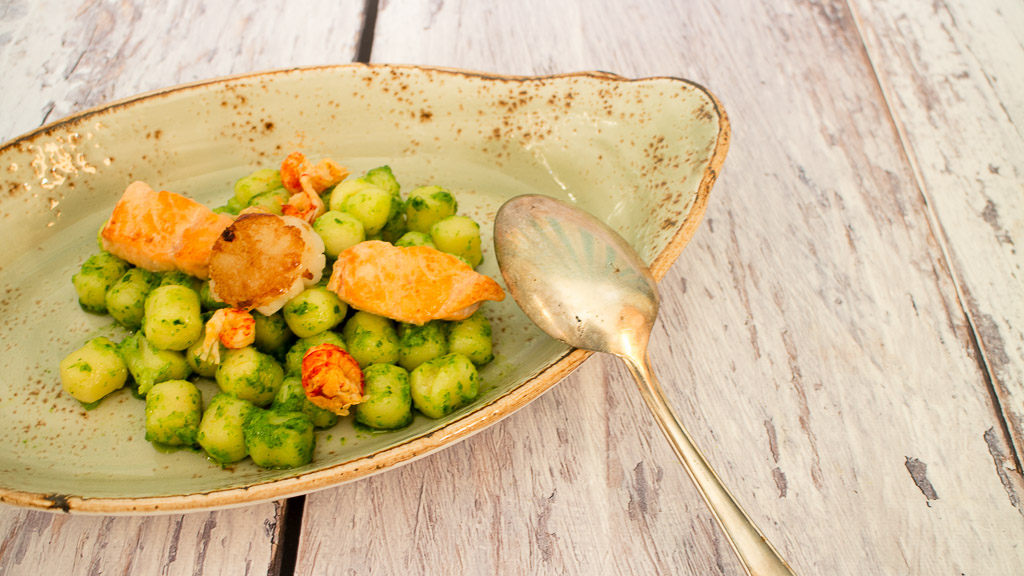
x,y
583,284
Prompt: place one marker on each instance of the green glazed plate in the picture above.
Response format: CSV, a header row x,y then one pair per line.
x,y
640,154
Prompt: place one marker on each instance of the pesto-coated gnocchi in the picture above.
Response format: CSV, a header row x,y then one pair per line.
x,y
371,339
271,201
149,365
126,298
388,398
201,363
371,206
383,178
339,230
278,439
292,398
341,193
179,278
458,235
207,300
260,409
173,413
272,333
472,338
417,344
97,275
173,317
428,204
315,310
413,238
250,374
259,182
397,225
443,385
93,371
221,429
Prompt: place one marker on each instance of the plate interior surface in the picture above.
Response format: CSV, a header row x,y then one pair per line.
x,y
639,154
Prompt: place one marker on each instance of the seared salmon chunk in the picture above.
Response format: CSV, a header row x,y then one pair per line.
x,y
413,284
162,231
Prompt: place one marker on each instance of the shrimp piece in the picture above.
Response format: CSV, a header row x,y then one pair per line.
x,y
306,181
233,327
292,168
331,378
263,260
305,205
162,231
413,285
298,173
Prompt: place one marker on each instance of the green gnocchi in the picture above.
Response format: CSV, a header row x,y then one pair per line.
x,y
258,408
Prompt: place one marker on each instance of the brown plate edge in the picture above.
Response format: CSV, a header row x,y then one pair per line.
x,y
406,452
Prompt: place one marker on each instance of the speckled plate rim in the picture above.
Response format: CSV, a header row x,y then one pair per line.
x,y
411,450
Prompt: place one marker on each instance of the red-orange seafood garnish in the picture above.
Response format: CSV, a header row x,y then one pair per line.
x,y
234,327
306,181
331,378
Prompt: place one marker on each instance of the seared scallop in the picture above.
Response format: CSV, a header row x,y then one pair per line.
x,y
263,260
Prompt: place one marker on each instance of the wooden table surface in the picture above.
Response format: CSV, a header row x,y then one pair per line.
x,y
844,336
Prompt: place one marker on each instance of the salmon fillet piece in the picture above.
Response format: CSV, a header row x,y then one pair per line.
x,y
162,231
414,285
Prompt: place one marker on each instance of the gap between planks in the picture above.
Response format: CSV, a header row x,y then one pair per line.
x,y
940,237
286,554
365,46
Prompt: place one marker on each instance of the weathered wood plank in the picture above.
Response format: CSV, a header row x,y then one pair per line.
x,y
811,335
535,494
951,74
237,541
59,58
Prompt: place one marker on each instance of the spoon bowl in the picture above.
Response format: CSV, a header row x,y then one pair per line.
x,y
584,285
574,277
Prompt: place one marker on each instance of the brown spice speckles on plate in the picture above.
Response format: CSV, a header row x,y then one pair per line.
x,y
640,154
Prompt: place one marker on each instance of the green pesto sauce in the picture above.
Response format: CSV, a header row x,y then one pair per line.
x,y
82,366
369,430
133,385
170,449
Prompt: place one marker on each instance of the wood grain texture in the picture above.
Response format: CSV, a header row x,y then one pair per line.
x,y
828,336
544,492
63,57
812,335
238,541
954,85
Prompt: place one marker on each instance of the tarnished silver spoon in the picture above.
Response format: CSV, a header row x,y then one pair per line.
x,y
583,284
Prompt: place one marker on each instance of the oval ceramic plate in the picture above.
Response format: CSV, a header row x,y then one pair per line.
x,y
640,154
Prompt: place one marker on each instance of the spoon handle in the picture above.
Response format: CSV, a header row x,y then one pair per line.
x,y
758,556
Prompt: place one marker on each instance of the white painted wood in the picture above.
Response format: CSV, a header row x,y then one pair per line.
x,y
565,486
953,82
236,541
62,57
812,336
